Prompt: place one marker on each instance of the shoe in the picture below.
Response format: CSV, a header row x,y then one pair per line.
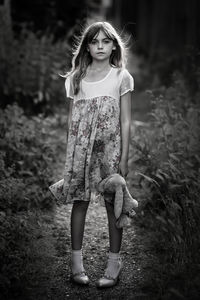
x,y
108,281
80,278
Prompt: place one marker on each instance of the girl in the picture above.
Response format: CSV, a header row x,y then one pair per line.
x,y
98,136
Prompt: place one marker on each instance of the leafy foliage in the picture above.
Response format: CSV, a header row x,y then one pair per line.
x,y
30,68
25,155
166,162
26,169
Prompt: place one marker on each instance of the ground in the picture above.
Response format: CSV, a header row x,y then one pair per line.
x,y
52,253
53,249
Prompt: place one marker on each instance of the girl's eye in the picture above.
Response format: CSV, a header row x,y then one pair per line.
x,y
106,41
93,42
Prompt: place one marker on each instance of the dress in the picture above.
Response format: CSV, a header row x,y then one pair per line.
x,y
94,139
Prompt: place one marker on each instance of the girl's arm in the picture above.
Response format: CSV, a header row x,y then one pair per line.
x,y
125,120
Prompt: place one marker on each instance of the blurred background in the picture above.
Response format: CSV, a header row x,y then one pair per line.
x,y
37,37
36,41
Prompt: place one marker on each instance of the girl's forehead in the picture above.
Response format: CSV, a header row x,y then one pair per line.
x,y
101,35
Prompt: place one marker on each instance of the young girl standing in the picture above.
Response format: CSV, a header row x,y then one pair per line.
x,y
99,90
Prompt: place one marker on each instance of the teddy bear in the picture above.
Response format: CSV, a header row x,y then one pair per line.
x,y
112,187
124,204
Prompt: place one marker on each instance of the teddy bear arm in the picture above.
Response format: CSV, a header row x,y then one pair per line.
x,y
119,199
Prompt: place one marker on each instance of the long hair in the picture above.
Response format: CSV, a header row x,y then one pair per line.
x,y
82,58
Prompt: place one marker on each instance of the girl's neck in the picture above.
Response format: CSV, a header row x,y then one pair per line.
x,y
97,71
99,66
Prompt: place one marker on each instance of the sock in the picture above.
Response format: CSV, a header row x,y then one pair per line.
x,y
77,261
114,265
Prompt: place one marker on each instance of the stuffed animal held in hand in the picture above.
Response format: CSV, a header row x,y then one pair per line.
x,y
124,204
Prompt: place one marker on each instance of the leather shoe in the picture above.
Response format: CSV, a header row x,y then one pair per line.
x,y
105,282
80,278
108,281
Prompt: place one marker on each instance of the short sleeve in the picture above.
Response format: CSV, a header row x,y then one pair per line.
x,y
127,83
69,88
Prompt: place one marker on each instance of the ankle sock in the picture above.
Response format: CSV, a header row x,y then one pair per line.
x,y
113,265
77,261
114,256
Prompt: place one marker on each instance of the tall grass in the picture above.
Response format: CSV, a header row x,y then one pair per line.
x,y
166,161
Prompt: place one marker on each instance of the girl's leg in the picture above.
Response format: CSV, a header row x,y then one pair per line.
x,y
114,263
115,234
78,215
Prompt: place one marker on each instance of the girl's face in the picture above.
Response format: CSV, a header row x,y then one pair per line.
x,y
101,47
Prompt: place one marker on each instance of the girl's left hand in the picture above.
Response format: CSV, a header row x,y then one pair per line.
x,y
123,168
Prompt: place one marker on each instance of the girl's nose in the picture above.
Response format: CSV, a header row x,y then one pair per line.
x,y
100,45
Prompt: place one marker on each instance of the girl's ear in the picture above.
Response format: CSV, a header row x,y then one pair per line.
x,y
114,48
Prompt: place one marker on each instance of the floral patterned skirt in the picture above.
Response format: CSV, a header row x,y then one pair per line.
x,y
93,148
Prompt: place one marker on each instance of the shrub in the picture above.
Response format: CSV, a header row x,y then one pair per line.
x,y
25,158
30,72
26,170
165,167
167,163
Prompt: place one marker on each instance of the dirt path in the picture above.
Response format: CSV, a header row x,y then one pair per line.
x,y
53,259
53,254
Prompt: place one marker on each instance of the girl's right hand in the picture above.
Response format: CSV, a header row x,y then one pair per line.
x,y
123,168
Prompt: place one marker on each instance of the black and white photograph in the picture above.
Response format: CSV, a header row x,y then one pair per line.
x,y
99,150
